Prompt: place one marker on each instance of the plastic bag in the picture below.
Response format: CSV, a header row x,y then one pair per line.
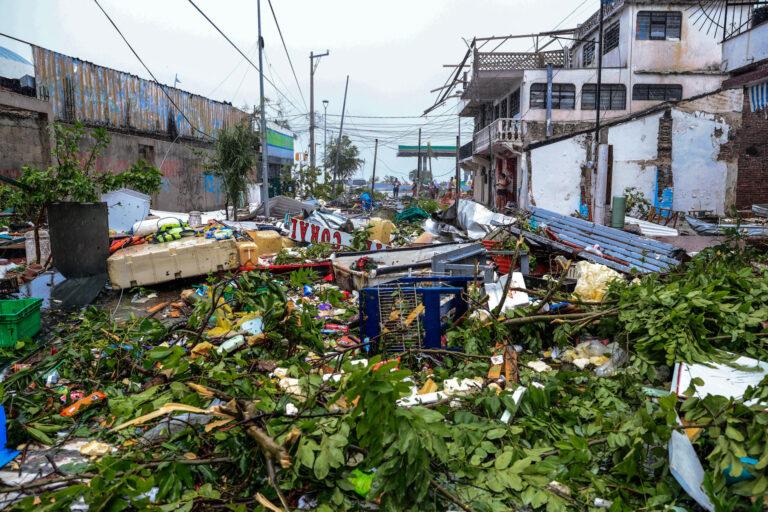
x,y
593,281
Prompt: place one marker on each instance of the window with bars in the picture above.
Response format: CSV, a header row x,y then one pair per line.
x,y
588,53
657,92
659,25
563,96
514,103
611,38
612,97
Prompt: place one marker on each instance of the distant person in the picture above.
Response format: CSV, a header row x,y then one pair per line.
x,y
502,183
396,188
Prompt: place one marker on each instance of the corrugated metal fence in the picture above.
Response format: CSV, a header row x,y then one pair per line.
x,y
82,91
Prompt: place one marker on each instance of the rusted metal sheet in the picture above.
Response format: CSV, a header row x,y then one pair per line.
x,y
82,91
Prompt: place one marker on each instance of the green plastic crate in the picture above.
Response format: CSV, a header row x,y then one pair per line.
x,y
19,319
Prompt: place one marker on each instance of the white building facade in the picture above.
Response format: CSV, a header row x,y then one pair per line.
x,y
651,53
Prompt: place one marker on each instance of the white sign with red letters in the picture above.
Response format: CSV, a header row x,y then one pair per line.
x,y
303,231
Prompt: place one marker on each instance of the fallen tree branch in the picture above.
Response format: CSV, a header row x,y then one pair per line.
x,y
450,496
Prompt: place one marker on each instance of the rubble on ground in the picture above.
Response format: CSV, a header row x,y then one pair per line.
x,y
318,361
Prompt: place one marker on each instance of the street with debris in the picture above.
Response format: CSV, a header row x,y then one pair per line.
x,y
554,299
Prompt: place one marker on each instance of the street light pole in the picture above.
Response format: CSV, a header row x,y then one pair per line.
x,y
264,160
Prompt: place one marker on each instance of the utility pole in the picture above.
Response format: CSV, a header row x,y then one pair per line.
x,y
599,70
601,151
418,168
264,162
457,178
341,131
375,155
325,138
312,68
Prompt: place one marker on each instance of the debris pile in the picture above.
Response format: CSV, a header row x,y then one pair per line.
x,y
305,363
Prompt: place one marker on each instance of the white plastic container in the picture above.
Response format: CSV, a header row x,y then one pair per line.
x,y
157,263
45,246
149,226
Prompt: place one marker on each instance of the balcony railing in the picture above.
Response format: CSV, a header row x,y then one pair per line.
x,y
501,130
512,61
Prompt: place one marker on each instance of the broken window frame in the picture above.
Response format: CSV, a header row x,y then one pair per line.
x,y
659,26
657,92
562,94
611,37
612,97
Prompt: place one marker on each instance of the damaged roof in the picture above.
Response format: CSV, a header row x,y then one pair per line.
x,y
617,249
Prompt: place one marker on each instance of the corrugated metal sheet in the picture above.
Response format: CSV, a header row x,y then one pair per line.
x,y
614,248
82,91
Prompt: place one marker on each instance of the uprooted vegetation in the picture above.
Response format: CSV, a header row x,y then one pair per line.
x,y
284,421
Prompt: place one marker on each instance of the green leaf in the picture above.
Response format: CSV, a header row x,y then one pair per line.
x,y
503,460
39,435
496,433
733,433
322,465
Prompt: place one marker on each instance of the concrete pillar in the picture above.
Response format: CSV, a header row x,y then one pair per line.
x,y
601,184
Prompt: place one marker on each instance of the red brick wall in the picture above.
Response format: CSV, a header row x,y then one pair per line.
x,y
752,144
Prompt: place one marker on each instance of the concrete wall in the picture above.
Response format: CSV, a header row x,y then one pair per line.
x,y
555,175
699,175
705,159
185,186
696,50
21,141
746,48
24,140
634,155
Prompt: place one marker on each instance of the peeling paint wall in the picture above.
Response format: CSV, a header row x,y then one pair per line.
x,y
556,174
634,155
703,163
699,176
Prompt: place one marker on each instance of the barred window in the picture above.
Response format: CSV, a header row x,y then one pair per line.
x,y
588,53
612,97
563,96
657,92
514,103
611,38
659,25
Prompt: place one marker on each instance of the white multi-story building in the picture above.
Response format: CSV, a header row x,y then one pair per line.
x,y
652,52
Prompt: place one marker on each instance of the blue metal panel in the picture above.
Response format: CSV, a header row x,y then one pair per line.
x,y
642,254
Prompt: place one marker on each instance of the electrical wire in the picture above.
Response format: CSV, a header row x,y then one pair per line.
x,y
287,54
162,87
240,52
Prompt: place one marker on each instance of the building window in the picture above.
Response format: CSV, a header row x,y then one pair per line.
x,y
657,92
612,97
563,96
659,25
588,53
147,153
611,38
514,103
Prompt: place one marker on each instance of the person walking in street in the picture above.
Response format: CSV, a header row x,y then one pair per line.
x,y
396,188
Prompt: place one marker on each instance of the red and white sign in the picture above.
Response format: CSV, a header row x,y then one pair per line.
x,y
303,231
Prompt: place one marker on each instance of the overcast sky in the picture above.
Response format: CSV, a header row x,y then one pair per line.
x,y
393,52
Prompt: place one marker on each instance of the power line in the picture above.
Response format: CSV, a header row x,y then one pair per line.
x,y
279,31
162,87
240,51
